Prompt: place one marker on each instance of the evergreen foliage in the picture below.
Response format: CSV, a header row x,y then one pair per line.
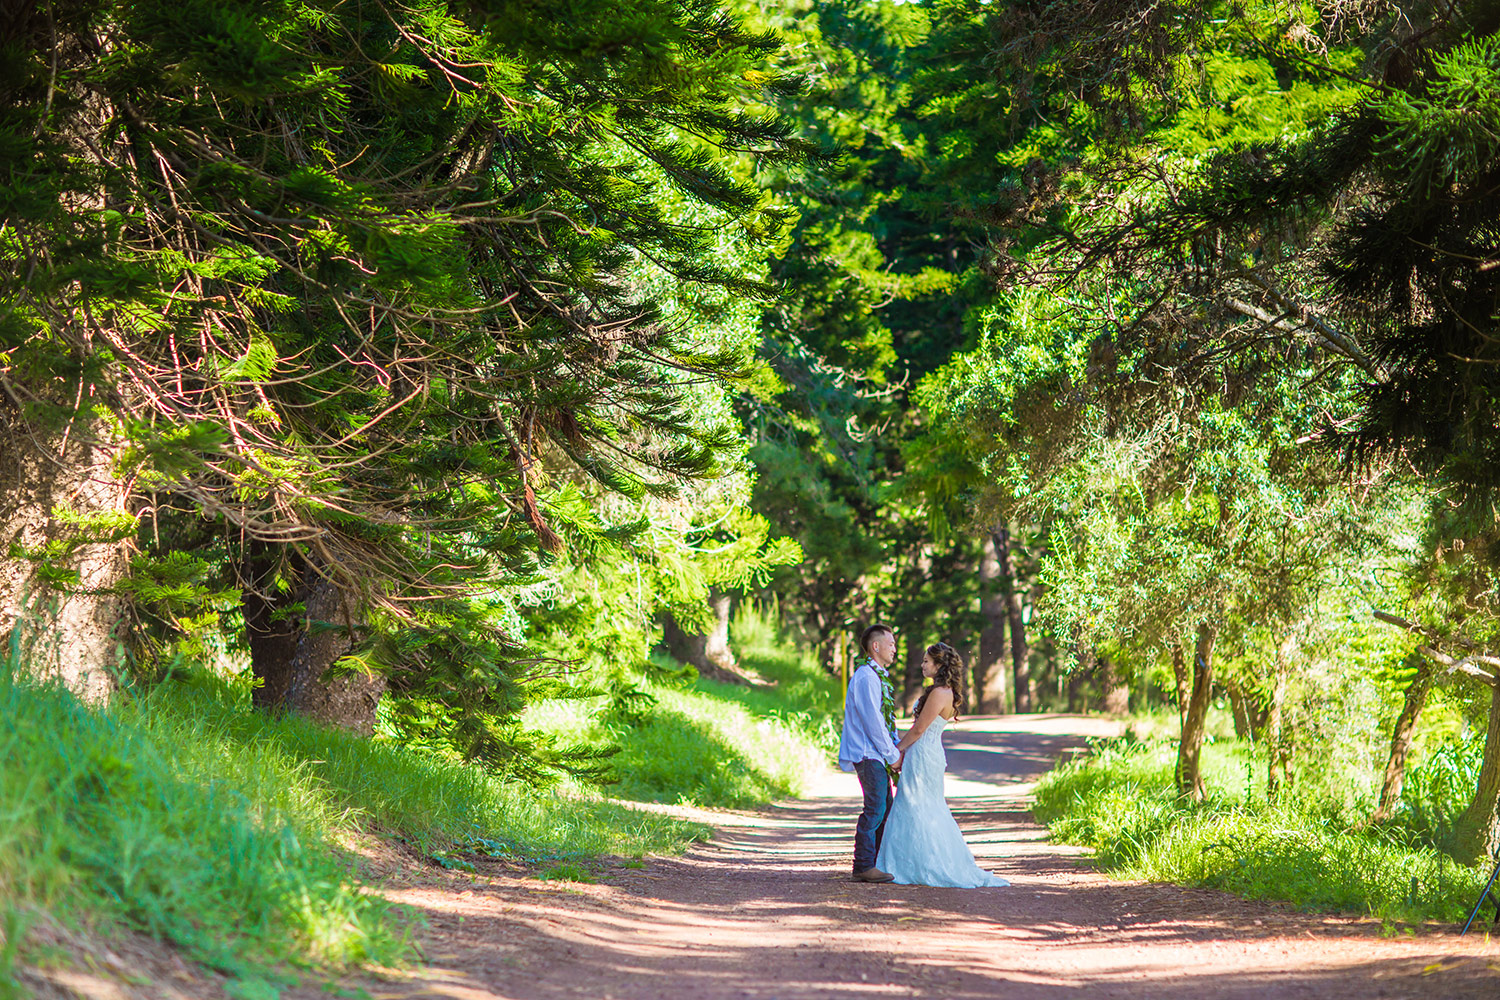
x,y
415,363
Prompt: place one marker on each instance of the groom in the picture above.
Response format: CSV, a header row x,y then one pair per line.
x,y
868,744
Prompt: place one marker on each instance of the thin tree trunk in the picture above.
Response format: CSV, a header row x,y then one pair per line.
x,y
1278,756
1019,652
911,678
1075,684
1401,737
1190,747
1179,673
1475,833
59,491
990,667
1239,707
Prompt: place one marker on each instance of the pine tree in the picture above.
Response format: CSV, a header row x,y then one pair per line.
x,y
345,299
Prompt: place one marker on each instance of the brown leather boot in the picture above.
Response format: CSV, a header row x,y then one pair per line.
x,y
873,874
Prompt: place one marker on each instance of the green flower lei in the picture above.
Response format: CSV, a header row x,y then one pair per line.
x,y
887,700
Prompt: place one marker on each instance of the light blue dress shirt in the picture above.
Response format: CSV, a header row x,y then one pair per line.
x,y
865,736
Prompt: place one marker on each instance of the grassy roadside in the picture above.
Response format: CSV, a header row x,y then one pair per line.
x,y
1120,801
709,744
220,831
231,835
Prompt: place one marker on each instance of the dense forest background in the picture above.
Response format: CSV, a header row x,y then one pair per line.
x,y
431,368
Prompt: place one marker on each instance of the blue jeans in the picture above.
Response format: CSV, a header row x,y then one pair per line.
x,y
876,785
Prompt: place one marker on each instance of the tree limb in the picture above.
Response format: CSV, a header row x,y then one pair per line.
x,y
1325,334
1464,666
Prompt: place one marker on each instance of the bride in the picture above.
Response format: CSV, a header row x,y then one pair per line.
x,y
921,844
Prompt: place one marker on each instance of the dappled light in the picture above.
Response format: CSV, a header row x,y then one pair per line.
x,y
766,909
470,471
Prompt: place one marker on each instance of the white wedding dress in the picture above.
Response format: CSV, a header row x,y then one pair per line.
x,y
922,844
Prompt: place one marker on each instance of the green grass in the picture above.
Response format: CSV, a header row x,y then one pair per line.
x,y
712,744
568,871
1120,802
188,817
708,745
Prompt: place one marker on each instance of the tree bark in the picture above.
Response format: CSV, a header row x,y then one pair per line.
x,y
1401,737
1278,748
1114,692
59,491
710,653
272,627
1190,747
1179,673
1239,707
1019,652
349,701
1475,834
990,666
292,648
911,678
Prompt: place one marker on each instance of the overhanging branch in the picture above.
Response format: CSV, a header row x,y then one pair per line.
x,y
1326,335
1465,666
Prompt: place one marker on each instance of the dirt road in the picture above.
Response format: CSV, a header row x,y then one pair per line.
x,y
766,910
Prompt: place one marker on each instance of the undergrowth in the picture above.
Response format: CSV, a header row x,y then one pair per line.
x,y
1120,801
227,832
709,744
182,813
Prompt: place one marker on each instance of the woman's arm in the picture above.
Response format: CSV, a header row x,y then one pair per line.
x,y
939,699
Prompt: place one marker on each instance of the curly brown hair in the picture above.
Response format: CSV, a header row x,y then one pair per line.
x,y
950,674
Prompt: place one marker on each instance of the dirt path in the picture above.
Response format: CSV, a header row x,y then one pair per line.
x,y
766,910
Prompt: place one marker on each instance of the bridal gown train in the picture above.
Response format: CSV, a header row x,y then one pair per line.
x,y
922,844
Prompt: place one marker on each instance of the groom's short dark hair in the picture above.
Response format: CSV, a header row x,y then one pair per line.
x,y
872,632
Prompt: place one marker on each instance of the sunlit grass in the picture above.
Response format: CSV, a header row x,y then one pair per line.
x,y
1121,802
713,744
185,815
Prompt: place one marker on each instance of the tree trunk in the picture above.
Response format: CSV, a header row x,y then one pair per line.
x,y
912,680
1278,749
1019,652
272,627
711,653
1190,747
1179,673
1114,694
63,501
990,666
59,492
1075,684
1475,834
348,702
1239,707
1401,737
292,649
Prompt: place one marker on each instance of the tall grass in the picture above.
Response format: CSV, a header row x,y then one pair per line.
x,y
1121,802
182,813
186,816
713,744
